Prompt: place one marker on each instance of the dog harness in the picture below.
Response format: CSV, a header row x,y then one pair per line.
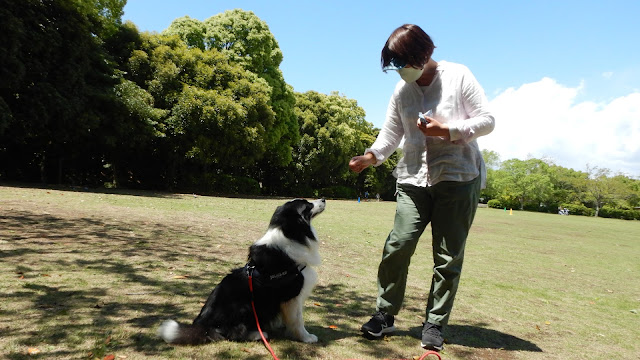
x,y
275,280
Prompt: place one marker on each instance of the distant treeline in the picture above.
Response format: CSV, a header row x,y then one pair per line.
x,y
538,185
201,107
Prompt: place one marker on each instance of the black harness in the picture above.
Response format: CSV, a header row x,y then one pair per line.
x,y
275,280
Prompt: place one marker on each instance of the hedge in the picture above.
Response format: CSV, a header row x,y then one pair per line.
x,y
614,213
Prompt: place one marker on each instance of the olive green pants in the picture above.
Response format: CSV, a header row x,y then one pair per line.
x,y
450,208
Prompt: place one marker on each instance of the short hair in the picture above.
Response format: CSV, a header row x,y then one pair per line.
x,y
407,45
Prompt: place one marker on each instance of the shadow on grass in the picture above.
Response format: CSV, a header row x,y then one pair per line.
x,y
83,189
78,279
73,280
138,192
336,308
479,337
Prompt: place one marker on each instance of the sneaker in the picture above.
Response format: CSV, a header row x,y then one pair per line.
x,y
432,337
381,323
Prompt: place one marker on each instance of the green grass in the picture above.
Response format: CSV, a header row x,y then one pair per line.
x,y
90,274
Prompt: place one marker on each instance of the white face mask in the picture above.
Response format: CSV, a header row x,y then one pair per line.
x,y
410,74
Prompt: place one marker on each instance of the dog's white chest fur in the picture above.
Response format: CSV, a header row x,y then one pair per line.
x,y
304,255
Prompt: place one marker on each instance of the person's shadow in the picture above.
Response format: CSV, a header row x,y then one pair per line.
x,y
476,336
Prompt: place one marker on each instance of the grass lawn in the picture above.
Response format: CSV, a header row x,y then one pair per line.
x,y
87,275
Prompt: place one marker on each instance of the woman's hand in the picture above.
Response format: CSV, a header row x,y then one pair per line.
x,y
359,163
433,128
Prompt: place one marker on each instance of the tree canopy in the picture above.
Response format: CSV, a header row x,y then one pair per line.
x,y
203,106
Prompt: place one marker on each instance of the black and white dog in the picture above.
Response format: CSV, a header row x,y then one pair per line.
x,y
280,265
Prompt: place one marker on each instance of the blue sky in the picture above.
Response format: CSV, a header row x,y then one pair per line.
x,y
563,77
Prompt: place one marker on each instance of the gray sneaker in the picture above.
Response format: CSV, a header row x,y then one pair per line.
x,y
381,323
432,337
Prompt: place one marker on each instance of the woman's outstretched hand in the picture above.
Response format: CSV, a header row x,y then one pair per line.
x,y
359,163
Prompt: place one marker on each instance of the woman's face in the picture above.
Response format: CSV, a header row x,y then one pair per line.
x,y
410,74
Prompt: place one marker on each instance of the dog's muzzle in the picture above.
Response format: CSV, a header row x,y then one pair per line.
x,y
318,207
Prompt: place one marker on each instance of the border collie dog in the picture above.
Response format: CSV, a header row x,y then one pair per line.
x,y
280,265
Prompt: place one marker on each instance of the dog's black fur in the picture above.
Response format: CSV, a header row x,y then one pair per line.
x,y
282,278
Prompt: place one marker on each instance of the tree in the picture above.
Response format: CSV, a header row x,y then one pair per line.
x,y
214,114
332,130
492,163
569,185
491,159
57,88
247,40
600,188
631,192
379,179
191,31
526,181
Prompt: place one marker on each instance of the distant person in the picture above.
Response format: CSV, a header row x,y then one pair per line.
x,y
438,179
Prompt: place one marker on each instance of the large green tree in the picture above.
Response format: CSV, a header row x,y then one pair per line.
x,y
214,115
332,130
190,30
247,40
526,181
603,189
569,185
57,87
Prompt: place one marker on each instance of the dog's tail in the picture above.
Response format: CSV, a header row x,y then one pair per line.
x,y
180,334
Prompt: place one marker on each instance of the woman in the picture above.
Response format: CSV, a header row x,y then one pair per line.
x,y
438,179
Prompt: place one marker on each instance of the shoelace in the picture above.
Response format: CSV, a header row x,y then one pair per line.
x,y
380,315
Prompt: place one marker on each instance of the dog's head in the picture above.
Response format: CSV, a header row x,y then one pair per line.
x,y
294,219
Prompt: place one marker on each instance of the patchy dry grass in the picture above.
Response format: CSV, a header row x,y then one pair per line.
x,y
88,274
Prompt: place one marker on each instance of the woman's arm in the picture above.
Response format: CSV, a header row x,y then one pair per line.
x,y
481,121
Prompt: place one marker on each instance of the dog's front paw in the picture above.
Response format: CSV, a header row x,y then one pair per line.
x,y
302,335
255,336
309,338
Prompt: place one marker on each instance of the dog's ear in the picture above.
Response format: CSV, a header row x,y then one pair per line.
x,y
306,210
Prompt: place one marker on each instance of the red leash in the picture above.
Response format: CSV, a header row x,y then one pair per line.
x,y
266,343
430,352
255,314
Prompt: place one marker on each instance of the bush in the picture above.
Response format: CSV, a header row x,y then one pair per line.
x,y
340,192
245,186
495,204
578,209
551,208
616,213
508,204
532,207
227,184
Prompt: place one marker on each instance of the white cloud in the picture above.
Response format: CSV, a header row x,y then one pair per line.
x,y
543,120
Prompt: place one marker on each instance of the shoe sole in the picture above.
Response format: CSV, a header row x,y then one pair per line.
x,y
432,347
386,330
